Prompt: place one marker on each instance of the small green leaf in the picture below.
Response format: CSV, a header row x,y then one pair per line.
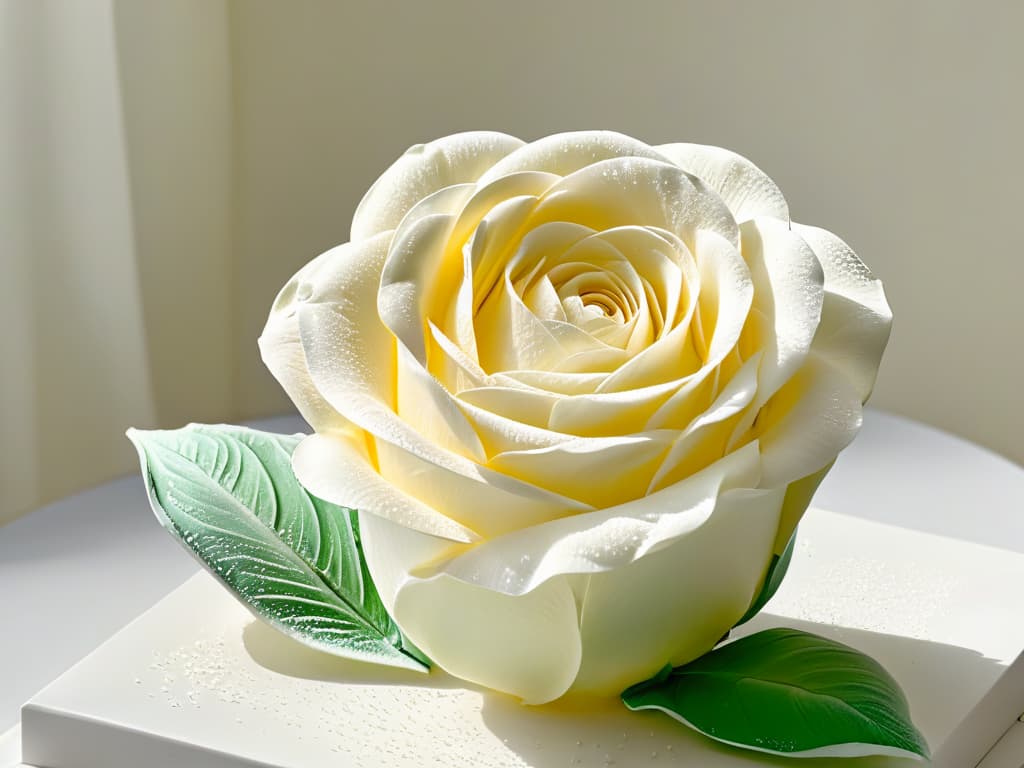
x,y
787,692
772,581
229,495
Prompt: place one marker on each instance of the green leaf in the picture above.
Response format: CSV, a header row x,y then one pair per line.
x,y
790,693
229,495
772,581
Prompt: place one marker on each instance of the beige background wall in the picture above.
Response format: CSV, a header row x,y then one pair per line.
x,y
172,163
896,125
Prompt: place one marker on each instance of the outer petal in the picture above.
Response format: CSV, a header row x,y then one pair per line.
x,y
605,539
673,606
336,468
788,294
565,153
480,498
348,349
788,289
855,317
527,645
808,422
281,348
745,188
424,169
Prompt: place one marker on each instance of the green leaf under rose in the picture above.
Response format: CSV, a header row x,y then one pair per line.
x,y
229,495
787,692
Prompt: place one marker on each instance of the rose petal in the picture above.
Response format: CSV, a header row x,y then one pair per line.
x,y
855,317
487,254
414,278
458,326
465,629
452,366
727,293
565,153
352,357
432,410
447,201
501,433
352,363
511,337
674,605
609,413
807,423
673,356
788,289
597,265
798,498
482,499
724,304
745,188
545,242
664,264
489,194
424,169
501,206
531,407
604,539
599,360
786,310
347,348
599,471
637,191
282,353
706,436
553,381
336,468
542,299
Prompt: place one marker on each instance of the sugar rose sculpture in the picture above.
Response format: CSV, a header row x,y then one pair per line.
x,y
580,392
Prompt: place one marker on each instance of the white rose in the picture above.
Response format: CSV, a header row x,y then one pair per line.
x,y
580,390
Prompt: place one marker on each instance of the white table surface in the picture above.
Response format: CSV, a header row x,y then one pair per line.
x,y
74,572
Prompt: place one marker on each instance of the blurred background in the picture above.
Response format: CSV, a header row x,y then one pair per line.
x,y
166,166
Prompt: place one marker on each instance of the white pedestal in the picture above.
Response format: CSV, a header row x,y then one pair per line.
x,y
196,681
